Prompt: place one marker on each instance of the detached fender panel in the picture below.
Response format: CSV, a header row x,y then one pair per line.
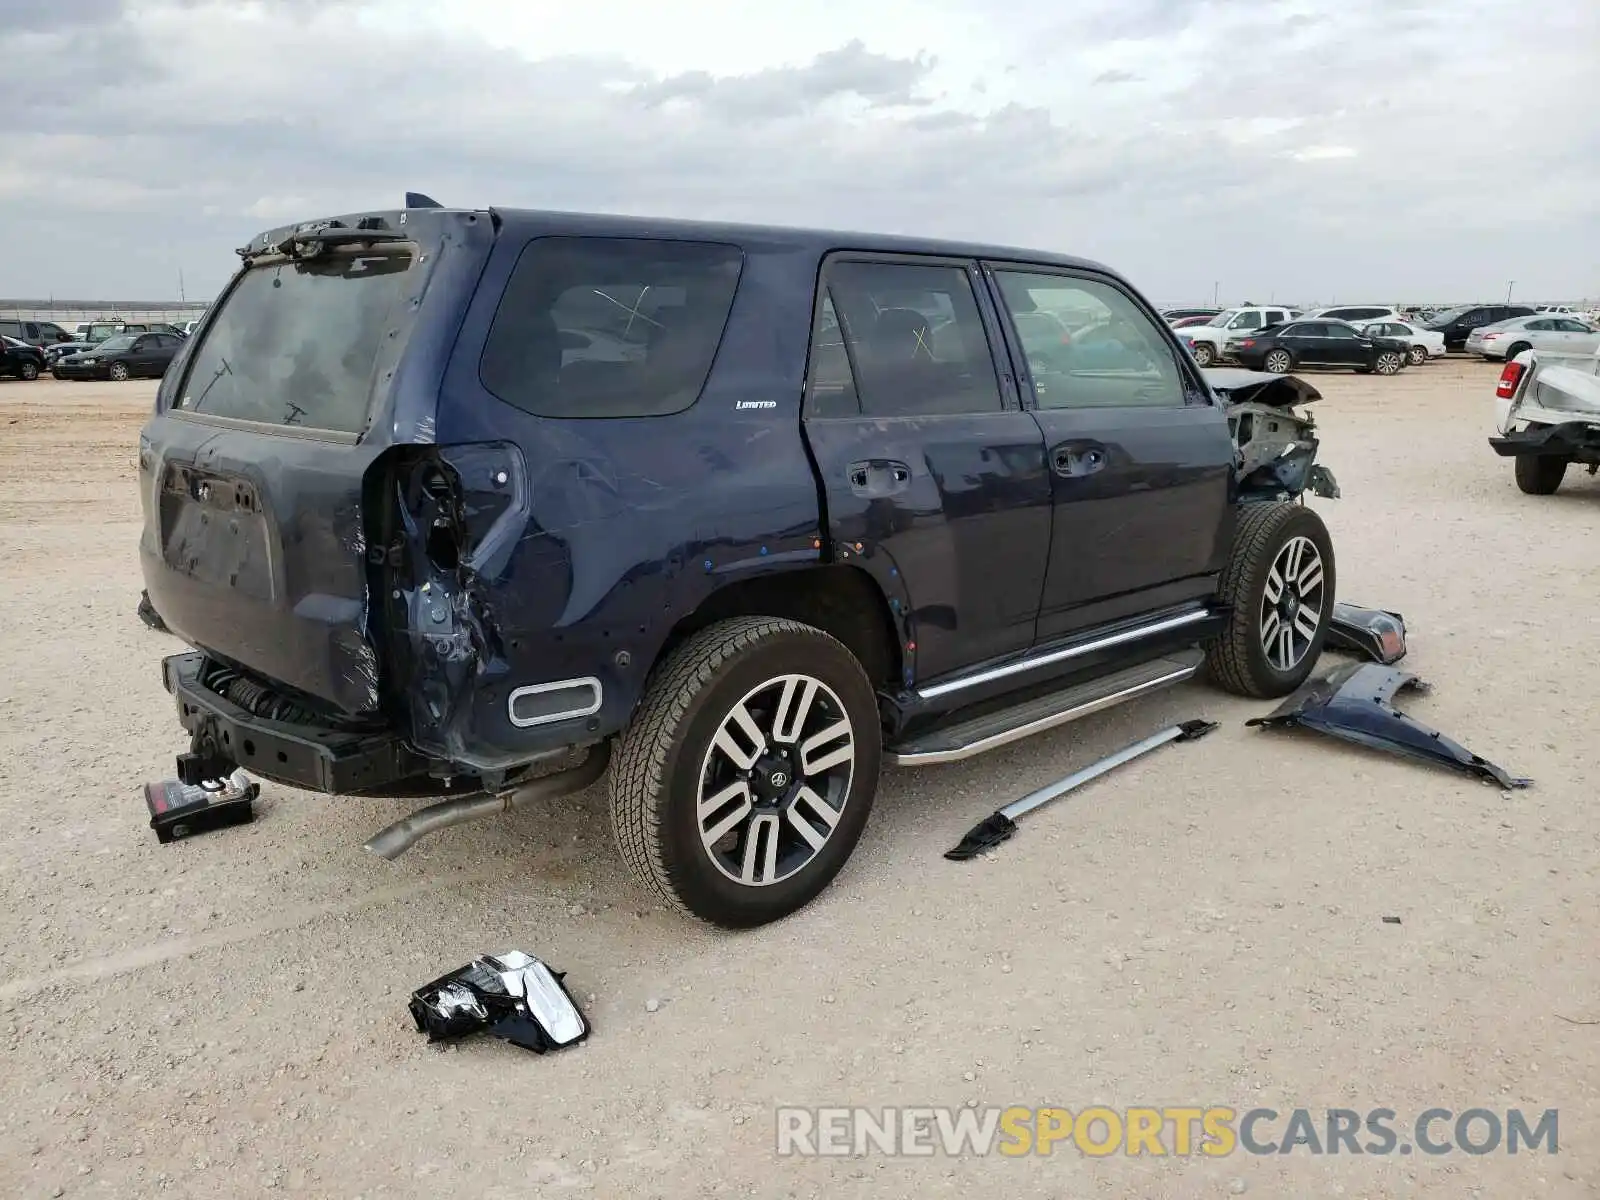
x,y
1356,704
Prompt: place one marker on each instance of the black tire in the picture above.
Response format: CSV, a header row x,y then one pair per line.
x,y
1516,350
28,371
1204,355
1238,658
1278,362
1388,363
1418,355
119,372
657,774
1539,474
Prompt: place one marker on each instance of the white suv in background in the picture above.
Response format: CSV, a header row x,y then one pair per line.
x,y
1357,314
1209,342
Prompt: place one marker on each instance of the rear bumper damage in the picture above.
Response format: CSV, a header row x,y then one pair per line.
x,y
317,757
1573,440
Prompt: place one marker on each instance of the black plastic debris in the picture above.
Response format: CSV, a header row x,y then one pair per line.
x,y
512,996
149,615
1356,703
1001,824
1379,635
1391,920
180,810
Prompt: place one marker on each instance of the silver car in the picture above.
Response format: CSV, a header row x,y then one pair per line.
x,y
1541,331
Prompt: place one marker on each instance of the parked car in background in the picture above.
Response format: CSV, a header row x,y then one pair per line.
x,y
99,331
1173,315
19,360
1547,416
1565,309
1357,314
125,356
1457,323
35,333
1424,343
1206,342
1542,331
1320,343
1188,322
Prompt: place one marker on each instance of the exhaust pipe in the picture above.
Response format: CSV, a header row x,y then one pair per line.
x,y
394,840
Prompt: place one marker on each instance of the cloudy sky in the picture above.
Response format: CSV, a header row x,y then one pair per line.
x,y
1310,150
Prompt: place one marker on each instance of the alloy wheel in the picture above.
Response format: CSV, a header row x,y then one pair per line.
x,y
1278,362
775,779
1291,604
119,372
1388,363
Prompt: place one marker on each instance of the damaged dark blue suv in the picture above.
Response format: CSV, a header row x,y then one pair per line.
x,y
473,504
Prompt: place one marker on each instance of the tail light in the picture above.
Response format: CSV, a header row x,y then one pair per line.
x,y
1510,377
1489,337
1247,343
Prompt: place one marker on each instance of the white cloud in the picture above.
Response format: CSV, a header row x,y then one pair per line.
x,y
1306,149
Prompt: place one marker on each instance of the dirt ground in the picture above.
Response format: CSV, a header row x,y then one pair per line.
x,y
226,1016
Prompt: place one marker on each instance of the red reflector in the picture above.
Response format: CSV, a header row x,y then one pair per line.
x,y
1509,378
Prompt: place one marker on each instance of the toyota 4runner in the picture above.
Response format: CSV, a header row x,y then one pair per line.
x,y
474,504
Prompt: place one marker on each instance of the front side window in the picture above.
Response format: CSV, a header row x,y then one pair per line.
x,y
297,343
1340,331
914,338
610,327
1247,320
1109,355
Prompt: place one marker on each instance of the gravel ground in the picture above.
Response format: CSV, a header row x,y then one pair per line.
x,y
226,1016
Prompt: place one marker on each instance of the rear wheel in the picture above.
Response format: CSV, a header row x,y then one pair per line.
x,y
1516,350
29,371
1279,584
1388,363
1539,474
1204,355
1278,362
119,372
747,774
1418,355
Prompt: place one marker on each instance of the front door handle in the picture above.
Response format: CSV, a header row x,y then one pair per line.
x,y
876,477
1076,459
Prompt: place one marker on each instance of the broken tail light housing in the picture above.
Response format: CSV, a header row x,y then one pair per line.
x,y
1510,377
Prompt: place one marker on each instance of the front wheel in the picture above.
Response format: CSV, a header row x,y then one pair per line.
x,y
1204,355
746,776
1418,355
1278,362
119,372
1279,585
1388,363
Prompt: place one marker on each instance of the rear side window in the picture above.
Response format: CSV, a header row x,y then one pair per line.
x,y
610,327
913,341
296,343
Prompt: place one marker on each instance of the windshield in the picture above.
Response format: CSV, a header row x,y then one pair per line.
x,y
1223,317
297,343
1450,314
121,342
99,333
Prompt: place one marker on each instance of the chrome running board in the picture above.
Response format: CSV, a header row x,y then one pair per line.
x,y
979,734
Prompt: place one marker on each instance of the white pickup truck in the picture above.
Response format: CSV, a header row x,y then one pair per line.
x,y
1209,341
1547,415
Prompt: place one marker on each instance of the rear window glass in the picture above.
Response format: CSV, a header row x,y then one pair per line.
x,y
296,343
610,327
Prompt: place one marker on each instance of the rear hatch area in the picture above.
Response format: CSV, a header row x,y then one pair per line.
x,y
258,471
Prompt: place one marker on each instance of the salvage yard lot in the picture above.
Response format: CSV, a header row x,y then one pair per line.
x,y
227,1014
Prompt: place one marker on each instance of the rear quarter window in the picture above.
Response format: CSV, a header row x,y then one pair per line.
x,y
610,327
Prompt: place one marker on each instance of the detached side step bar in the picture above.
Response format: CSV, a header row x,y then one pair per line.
x,y
974,736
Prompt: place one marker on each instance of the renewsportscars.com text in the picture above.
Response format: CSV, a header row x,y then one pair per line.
x,y
1213,1131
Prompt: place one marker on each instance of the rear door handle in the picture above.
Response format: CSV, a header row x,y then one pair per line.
x,y
1076,459
878,477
